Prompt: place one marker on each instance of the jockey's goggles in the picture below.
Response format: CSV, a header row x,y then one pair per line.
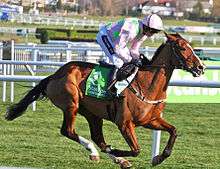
x,y
154,30
151,30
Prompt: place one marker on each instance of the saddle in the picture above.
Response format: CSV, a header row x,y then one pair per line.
x,y
100,79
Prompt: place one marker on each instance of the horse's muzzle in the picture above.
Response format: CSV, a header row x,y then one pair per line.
x,y
198,70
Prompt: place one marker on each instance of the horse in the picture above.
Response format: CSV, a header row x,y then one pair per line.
x,y
141,105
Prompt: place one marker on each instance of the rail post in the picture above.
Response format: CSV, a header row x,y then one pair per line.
x,y
202,40
7,55
68,53
34,58
214,41
4,83
12,70
156,135
1,54
156,143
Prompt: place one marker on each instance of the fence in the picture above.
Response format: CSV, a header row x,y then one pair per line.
x,y
202,39
28,55
67,21
8,68
75,51
54,20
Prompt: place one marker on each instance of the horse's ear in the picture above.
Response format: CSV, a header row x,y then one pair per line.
x,y
178,35
168,35
165,34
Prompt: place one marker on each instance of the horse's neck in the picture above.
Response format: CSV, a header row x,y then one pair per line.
x,y
154,82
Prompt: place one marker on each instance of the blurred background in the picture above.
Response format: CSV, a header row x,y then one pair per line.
x,y
187,9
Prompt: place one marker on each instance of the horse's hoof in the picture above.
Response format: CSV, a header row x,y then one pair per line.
x,y
156,160
125,164
94,158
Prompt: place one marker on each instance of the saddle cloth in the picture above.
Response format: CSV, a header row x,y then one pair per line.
x,y
97,82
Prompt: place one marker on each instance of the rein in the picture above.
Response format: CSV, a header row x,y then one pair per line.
x,y
142,98
160,66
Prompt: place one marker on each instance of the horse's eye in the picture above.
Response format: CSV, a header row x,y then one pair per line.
x,y
181,48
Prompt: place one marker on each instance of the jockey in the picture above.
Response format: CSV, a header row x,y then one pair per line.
x,y
121,41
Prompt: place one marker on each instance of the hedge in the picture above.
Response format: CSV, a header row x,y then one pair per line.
x,y
45,34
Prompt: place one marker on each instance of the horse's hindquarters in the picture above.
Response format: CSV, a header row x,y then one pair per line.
x,y
62,92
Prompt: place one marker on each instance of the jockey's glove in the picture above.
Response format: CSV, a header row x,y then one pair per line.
x,y
142,55
136,62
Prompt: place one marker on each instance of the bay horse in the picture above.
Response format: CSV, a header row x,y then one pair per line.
x,y
141,104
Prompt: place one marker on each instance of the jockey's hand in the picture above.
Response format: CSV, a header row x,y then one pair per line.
x,y
136,62
142,55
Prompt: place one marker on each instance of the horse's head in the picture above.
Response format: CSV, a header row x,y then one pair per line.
x,y
183,55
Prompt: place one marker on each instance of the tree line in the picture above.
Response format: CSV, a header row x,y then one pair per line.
x,y
122,7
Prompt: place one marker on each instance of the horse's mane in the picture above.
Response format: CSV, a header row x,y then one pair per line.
x,y
156,54
145,61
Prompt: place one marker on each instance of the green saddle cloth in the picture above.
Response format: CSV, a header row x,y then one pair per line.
x,y
97,82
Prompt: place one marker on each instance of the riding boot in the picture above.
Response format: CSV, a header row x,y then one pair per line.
x,y
113,79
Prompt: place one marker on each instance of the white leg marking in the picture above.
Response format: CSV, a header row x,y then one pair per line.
x,y
88,145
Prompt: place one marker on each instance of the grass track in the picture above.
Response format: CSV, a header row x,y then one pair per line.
x,y
34,140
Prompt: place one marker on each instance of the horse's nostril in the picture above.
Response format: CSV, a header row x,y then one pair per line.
x,y
200,67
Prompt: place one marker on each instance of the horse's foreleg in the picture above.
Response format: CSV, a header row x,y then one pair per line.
x,y
160,124
116,155
128,132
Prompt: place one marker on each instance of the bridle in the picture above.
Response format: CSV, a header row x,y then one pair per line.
x,y
182,62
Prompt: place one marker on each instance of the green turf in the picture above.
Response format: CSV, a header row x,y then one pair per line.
x,y
34,140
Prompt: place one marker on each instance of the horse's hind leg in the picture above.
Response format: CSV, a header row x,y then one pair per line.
x,y
68,130
160,124
65,94
68,127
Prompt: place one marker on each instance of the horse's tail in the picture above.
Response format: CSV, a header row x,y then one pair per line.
x,y
18,109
